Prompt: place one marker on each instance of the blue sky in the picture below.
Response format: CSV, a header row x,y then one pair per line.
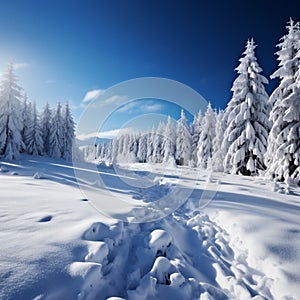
x,y
64,49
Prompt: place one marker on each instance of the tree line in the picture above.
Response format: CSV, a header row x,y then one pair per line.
x,y
25,130
256,132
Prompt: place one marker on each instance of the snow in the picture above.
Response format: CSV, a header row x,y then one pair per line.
x,y
245,244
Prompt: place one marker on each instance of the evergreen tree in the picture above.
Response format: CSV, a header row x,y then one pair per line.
x,y
168,144
283,154
157,143
195,131
183,141
142,148
33,135
150,147
68,132
218,154
56,134
10,116
26,121
246,115
46,127
208,132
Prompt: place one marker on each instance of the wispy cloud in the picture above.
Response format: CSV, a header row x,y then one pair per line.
x,y
104,135
49,81
22,65
92,95
137,107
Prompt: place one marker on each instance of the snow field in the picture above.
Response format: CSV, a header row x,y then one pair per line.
x,y
243,245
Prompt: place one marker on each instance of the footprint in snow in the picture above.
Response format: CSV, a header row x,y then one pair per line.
x,y
46,219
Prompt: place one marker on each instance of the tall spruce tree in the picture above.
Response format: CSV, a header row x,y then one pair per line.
x,y
68,132
56,133
33,135
46,125
246,115
183,141
218,154
11,126
283,154
208,132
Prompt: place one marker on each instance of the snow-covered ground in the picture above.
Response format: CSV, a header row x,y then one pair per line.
x,y
54,245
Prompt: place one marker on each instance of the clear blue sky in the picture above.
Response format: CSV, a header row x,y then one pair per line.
x,y
66,48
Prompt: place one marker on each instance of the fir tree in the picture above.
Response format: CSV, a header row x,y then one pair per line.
x,y
196,131
208,132
283,155
46,127
218,154
246,115
183,141
33,135
68,132
10,116
56,134
168,144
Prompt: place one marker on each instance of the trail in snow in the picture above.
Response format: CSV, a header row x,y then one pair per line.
x,y
66,250
179,258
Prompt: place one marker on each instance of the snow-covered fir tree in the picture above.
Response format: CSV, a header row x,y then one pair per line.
x,y
208,132
183,141
195,131
33,135
168,144
56,133
142,148
133,148
158,138
27,119
150,146
246,115
115,148
283,154
10,115
46,127
68,132
218,154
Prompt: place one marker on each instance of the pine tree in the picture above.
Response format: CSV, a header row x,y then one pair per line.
x,y
283,155
56,134
208,132
218,154
46,127
168,144
26,121
142,148
68,132
10,116
33,134
157,143
150,147
196,131
183,141
246,115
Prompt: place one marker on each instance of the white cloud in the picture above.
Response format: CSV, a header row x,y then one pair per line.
x,y
104,135
137,107
114,99
93,94
19,66
154,107
50,81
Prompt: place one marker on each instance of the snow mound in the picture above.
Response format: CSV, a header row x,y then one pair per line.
x,y
97,252
160,240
